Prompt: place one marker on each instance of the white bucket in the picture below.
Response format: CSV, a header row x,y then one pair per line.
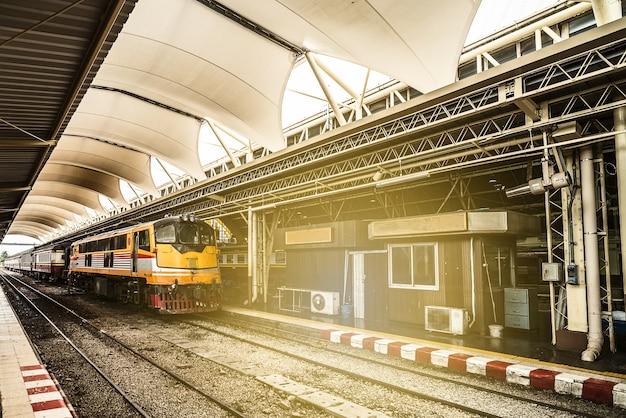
x,y
496,331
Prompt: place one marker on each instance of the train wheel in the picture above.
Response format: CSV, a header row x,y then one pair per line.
x,y
133,294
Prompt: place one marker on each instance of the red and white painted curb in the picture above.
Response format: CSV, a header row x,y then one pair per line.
x,y
45,397
592,389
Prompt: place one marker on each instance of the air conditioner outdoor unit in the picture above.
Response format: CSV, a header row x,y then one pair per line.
x,y
444,319
325,302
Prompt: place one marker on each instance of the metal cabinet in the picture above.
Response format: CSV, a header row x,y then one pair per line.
x,y
520,308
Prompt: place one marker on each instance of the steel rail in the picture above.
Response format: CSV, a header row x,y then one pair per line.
x,y
6,278
274,332
225,406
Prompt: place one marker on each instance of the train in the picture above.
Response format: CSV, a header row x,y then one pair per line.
x,y
47,262
170,265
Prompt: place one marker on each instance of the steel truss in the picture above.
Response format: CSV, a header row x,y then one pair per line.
x,y
470,129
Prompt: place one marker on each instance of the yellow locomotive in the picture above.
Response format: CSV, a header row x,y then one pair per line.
x,y
170,265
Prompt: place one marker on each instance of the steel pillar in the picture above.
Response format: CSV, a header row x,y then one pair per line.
x,y
619,116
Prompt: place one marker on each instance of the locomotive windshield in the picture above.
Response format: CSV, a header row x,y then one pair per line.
x,y
185,233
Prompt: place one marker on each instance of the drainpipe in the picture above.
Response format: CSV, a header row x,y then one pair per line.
x,y
604,11
619,118
473,276
252,260
595,338
255,251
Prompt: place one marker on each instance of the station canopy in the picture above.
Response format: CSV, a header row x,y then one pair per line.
x,y
175,66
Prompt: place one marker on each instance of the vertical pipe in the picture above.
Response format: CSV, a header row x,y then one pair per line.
x,y
254,260
606,256
264,270
595,338
473,277
619,116
250,266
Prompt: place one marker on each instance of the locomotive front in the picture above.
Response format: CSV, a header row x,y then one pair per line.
x,y
185,275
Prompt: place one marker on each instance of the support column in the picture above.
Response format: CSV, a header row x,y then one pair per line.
x,y
619,117
252,257
575,295
595,338
606,11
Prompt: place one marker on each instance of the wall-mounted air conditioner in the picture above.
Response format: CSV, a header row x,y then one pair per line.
x,y
444,319
325,302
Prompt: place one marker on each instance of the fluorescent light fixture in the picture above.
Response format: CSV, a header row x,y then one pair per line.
x,y
402,179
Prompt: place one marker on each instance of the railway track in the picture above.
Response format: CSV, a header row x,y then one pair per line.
x,y
381,386
80,363
27,293
495,399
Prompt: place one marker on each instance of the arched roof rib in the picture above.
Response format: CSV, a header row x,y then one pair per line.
x,y
176,63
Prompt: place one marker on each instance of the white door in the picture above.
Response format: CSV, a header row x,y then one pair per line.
x,y
358,285
355,276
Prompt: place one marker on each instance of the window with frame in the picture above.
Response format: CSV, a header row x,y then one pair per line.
x,y
144,240
413,266
166,234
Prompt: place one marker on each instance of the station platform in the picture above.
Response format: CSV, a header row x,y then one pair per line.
x,y
26,388
523,358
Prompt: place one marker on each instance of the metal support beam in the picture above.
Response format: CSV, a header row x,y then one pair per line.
x,y
619,116
329,96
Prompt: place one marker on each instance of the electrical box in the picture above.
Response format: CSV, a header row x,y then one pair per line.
x,y
572,274
551,272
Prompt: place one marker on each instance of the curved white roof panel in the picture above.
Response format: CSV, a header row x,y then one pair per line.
x,y
131,166
415,41
85,178
139,125
184,55
29,229
36,215
71,194
55,217
56,203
